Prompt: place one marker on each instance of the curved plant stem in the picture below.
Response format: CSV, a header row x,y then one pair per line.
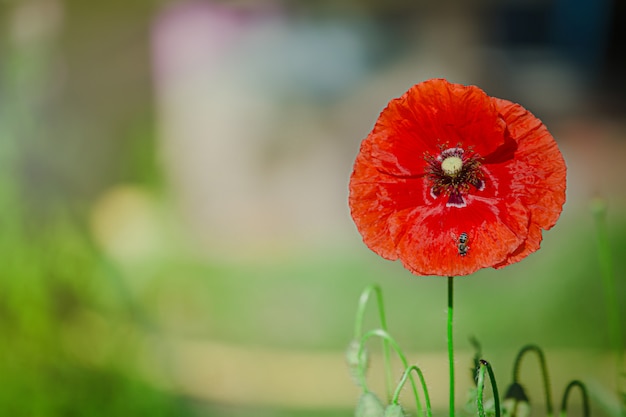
x,y
583,393
544,373
451,343
358,327
392,342
405,375
484,365
480,386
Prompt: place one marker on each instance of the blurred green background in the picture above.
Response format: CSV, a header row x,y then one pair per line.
x,y
173,195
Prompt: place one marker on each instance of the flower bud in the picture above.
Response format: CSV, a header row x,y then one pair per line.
x,y
516,402
357,365
394,410
369,406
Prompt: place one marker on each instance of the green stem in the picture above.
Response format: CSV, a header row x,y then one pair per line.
x,y
484,365
451,343
358,328
544,373
392,342
480,385
583,393
405,375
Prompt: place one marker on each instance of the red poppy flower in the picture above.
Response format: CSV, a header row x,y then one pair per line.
x,y
451,180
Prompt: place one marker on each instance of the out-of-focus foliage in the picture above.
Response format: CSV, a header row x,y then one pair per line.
x,y
68,343
70,339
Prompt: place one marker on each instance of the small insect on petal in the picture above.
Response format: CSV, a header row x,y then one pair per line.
x,y
462,244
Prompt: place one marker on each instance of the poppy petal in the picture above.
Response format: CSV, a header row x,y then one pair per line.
x,y
445,161
427,239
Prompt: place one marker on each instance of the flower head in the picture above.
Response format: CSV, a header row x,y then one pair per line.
x,y
451,180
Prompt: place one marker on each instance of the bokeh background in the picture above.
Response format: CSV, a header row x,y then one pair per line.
x,y
175,237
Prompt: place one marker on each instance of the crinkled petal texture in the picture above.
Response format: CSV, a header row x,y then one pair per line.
x,y
521,193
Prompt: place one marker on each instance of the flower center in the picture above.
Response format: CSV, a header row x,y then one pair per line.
x,y
452,165
453,174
